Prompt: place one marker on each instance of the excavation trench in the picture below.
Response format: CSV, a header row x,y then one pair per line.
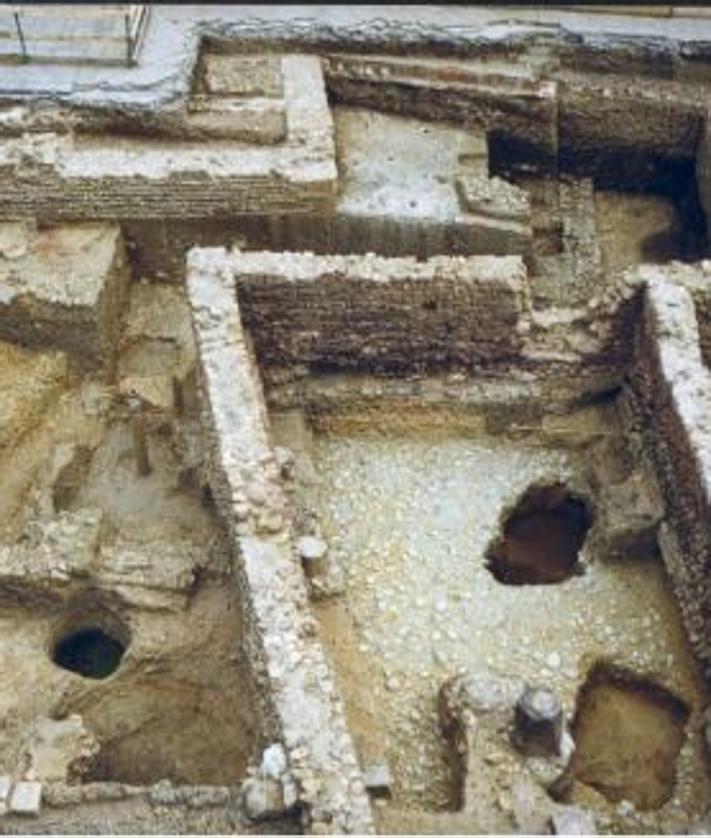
x,y
628,732
410,599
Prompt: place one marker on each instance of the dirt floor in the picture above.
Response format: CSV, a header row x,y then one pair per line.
x,y
88,542
410,517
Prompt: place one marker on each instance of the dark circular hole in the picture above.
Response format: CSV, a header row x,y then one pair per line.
x,y
89,652
541,538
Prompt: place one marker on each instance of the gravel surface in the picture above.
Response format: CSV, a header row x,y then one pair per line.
x,y
411,517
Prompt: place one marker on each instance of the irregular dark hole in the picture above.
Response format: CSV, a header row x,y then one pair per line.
x,y
89,652
628,732
541,538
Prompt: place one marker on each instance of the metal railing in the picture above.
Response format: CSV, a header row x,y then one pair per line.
x,y
97,34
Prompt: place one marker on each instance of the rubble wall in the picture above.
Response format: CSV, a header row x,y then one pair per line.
x,y
160,246
386,314
672,387
293,677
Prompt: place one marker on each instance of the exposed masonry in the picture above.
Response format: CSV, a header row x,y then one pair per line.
x,y
672,386
483,329
347,305
293,676
60,176
81,314
398,314
351,311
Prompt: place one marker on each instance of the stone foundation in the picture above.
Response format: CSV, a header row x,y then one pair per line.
x,y
672,387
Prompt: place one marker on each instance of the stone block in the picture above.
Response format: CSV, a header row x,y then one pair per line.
x,y
26,798
251,121
494,197
155,392
572,820
243,75
630,517
263,798
60,749
377,780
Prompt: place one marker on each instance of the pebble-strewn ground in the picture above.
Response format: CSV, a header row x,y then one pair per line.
x,y
411,518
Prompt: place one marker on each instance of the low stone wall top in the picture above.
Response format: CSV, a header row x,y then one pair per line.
x,y
672,386
300,704
696,278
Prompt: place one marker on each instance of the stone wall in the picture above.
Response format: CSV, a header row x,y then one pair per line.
x,y
555,111
500,101
696,279
60,176
382,314
159,247
672,389
604,119
293,677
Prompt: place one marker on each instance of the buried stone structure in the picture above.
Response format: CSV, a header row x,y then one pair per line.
x,y
355,439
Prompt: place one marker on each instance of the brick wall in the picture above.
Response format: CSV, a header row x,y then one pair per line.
x,y
382,314
673,395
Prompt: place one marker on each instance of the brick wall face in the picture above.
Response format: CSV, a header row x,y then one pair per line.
x,y
384,314
673,395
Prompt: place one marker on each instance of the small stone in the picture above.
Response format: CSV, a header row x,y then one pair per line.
x,y
553,660
26,798
257,493
311,548
270,521
274,762
290,792
626,808
567,747
263,798
285,460
572,820
438,657
377,780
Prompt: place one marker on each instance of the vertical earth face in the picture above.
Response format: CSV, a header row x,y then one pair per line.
x,y
628,734
355,413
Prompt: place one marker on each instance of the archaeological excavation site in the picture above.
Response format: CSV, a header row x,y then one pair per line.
x,y
355,421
